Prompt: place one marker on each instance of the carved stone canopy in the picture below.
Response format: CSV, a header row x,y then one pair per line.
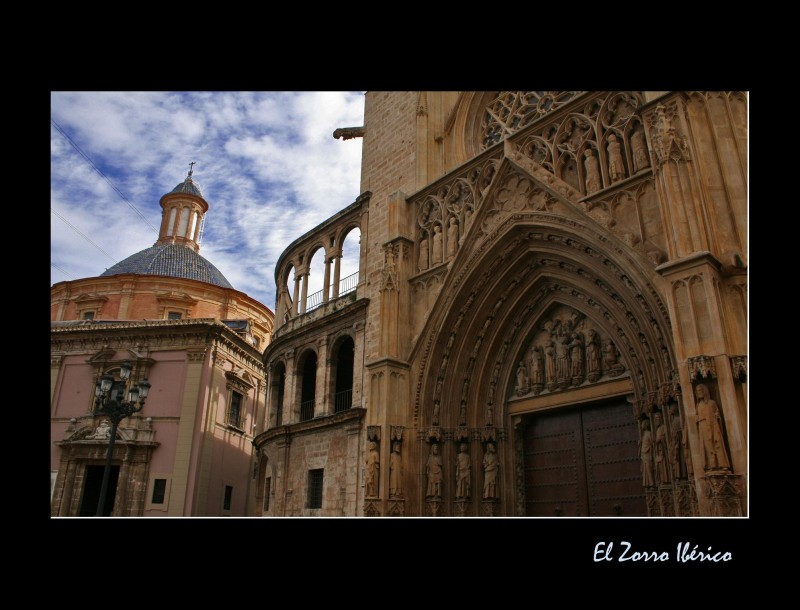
x,y
701,367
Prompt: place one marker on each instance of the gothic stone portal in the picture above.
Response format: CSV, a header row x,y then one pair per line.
x,y
583,462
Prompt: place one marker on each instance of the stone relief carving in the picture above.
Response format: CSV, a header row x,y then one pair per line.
x,y
739,367
491,466
559,143
433,472
668,142
463,472
709,429
565,351
701,367
101,433
513,110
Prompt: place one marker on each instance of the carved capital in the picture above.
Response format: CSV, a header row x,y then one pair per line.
x,y
396,433
724,492
374,433
489,435
461,434
701,367
433,434
739,366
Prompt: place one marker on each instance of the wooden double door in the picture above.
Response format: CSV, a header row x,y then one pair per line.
x,y
583,462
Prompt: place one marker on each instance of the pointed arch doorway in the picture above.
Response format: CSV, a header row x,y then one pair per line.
x,y
583,461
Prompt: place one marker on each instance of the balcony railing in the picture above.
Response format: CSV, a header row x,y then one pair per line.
x,y
306,410
346,285
342,400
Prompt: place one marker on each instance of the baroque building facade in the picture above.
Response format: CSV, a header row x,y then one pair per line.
x,y
549,319
179,323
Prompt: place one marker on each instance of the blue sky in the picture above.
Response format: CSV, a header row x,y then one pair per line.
x,y
266,162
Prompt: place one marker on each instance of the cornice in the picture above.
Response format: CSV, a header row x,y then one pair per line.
x,y
318,423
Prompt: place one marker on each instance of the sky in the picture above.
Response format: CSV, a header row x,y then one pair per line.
x,y
266,162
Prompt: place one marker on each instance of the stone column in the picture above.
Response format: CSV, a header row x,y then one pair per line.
x,y
336,272
296,298
326,280
304,295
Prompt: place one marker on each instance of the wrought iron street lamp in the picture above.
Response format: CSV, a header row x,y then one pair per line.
x,y
109,402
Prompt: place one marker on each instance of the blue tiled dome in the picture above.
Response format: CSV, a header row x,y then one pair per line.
x,y
187,186
172,260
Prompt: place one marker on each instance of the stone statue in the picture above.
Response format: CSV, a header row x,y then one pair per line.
x,y
646,453
436,255
463,469
550,353
639,150
433,469
709,428
662,450
102,432
576,355
592,356
522,379
423,254
452,238
562,359
467,223
593,182
373,471
537,366
490,468
676,456
609,354
395,472
616,167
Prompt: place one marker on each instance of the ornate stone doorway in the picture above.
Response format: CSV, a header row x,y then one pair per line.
x,y
583,462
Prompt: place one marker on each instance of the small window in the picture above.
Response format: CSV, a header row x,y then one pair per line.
x,y
315,488
226,504
174,315
88,315
159,490
267,489
235,411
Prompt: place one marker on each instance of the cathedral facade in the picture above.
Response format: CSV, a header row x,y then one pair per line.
x,y
549,319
